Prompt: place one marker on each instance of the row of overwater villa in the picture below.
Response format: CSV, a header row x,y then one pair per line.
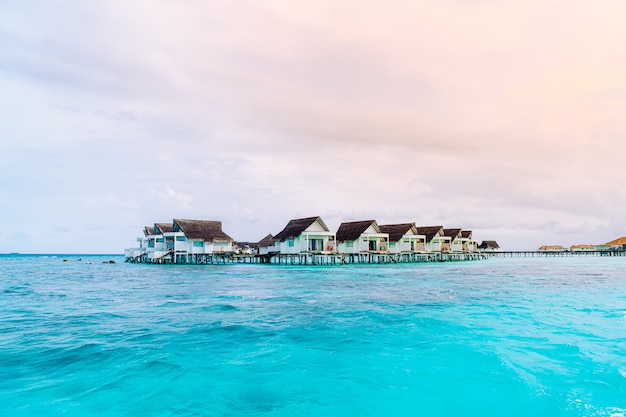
x,y
306,241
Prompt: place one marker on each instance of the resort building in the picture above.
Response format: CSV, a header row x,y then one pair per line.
x,y
456,244
582,248
361,237
191,240
403,238
306,235
267,245
489,246
155,248
552,248
467,243
619,243
182,241
435,241
304,241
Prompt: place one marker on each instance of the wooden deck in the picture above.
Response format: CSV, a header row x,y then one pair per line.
x,y
312,258
553,254
309,258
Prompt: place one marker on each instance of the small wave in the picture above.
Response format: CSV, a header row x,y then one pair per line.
x,y
18,289
161,366
175,303
220,307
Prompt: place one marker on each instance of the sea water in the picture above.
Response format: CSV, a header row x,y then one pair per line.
x,y
80,336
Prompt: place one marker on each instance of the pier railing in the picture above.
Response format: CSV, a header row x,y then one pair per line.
x,y
552,254
322,258
310,258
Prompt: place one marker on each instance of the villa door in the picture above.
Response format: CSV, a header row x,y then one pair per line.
x,y
316,245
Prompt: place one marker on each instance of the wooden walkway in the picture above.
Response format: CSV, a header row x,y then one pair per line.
x,y
358,258
306,258
554,254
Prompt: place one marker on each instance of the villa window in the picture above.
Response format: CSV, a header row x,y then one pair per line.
x,y
290,243
349,244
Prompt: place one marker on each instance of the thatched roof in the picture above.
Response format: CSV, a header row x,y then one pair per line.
x,y
429,231
349,231
266,241
489,244
295,228
551,247
621,241
582,246
466,234
396,231
148,231
160,228
452,233
207,230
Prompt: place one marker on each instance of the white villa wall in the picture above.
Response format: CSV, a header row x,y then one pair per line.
x,y
316,227
362,244
265,250
181,244
352,246
438,244
301,243
404,244
459,245
220,247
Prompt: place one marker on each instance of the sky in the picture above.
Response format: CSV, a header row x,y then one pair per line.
x,y
505,118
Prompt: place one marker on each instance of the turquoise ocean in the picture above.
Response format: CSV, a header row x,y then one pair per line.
x,y
80,336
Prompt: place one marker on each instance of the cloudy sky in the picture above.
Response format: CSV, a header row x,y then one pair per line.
x,y
506,118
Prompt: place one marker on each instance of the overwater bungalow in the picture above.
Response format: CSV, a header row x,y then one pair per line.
x,y
582,248
267,245
552,248
156,248
489,246
619,244
467,243
435,241
456,241
306,235
182,241
361,237
403,238
192,240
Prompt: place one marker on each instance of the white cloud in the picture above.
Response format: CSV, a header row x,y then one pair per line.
x,y
182,200
112,200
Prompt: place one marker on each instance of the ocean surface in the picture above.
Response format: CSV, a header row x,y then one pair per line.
x,y
80,336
